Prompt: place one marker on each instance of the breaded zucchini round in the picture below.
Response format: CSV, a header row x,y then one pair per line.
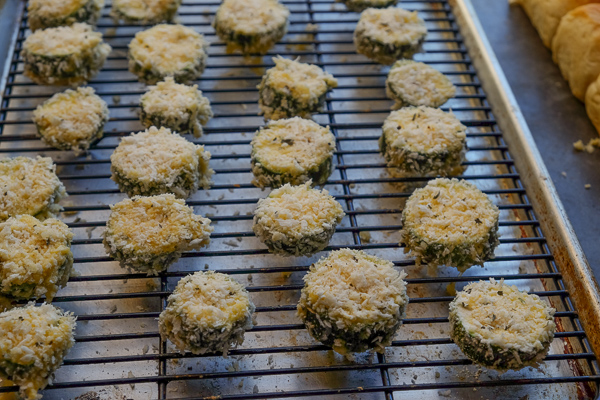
x,y
450,222
423,141
35,257
42,14
208,312
297,220
292,151
148,234
412,83
292,88
353,301
178,107
251,26
29,186
387,35
361,5
156,161
167,50
33,344
144,12
500,327
66,55
73,119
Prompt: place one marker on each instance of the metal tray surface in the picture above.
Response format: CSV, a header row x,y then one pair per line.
x,y
117,341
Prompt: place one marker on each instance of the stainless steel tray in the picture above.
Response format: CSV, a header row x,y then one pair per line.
x,y
117,338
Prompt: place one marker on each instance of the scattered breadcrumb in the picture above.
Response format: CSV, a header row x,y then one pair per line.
x,y
231,243
69,204
578,145
365,236
89,231
151,285
564,174
588,186
589,148
131,375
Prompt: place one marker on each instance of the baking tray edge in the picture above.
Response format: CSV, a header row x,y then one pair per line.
x,y
10,15
563,242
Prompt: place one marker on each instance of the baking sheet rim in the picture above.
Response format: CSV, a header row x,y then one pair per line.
x,y
566,249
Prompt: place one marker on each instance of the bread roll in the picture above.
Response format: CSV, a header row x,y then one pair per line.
x,y
545,15
592,103
576,47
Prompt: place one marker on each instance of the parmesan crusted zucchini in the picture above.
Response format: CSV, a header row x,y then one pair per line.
x,y
292,151
208,312
500,327
292,88
387,35
251,26
423,141
73,119
150,233
353,301
450,222
412,83
175,106
361,5
66,55
42,14
29,186
296,220
35,257
157,161
144,12
33,344
167,50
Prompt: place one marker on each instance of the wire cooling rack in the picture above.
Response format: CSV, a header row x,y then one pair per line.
x,y
117,343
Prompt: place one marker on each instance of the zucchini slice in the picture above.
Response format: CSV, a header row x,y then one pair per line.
x,y
500,327
412,83
144,12
29,186
361,5
180,108
148,234
353,301
208,312
292,88
251,26
167,50
296,220
156,161
66,55
292,151
42,14
34,342
71,120
387,35
450,222
36,257
423,141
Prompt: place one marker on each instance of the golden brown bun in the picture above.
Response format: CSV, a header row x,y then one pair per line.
x,y
592,103
576,47
545,15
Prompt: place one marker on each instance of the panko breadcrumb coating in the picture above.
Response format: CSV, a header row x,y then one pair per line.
x,y
33,344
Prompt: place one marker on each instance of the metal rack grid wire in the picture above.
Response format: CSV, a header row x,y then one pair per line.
x,y
117,343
